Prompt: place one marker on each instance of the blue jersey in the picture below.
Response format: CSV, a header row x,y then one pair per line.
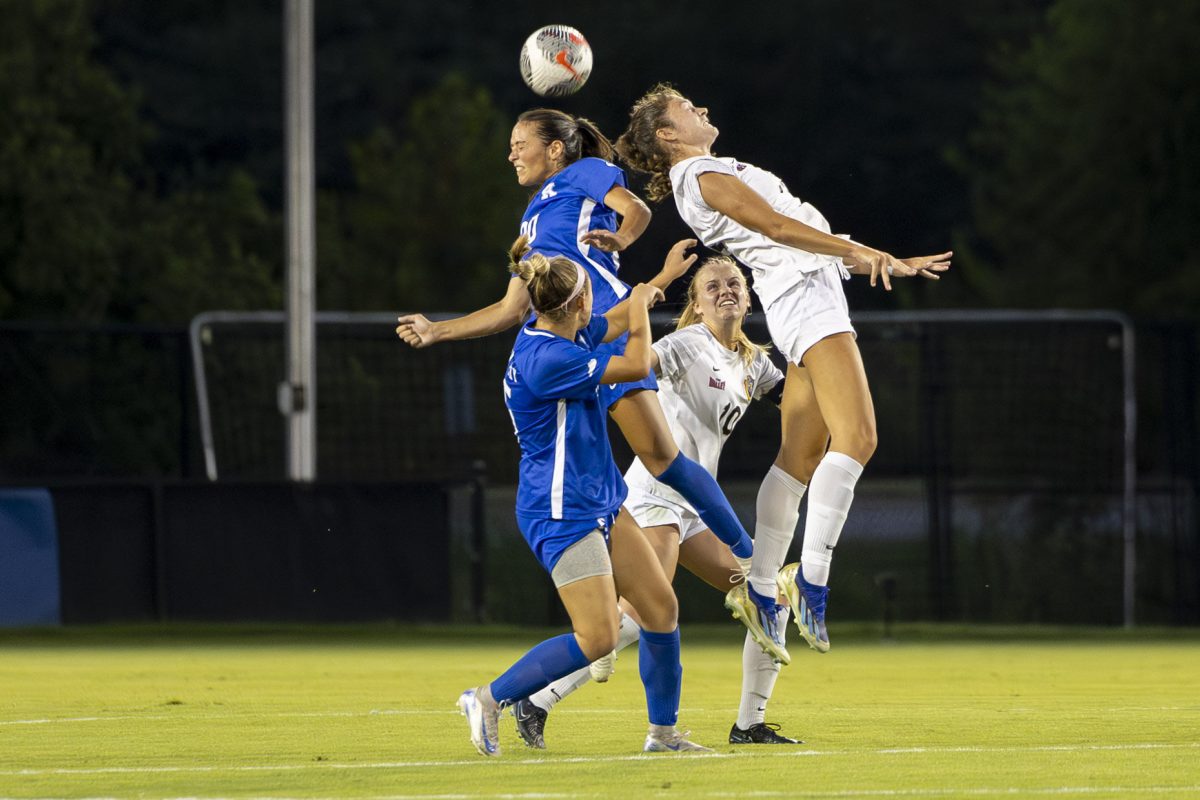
x,y
569,204
552,390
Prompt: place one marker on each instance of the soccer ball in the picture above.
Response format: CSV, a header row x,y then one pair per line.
x,y
556,60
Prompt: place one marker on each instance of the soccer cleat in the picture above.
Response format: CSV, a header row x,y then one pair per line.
x,y
760,616
603,667
483,717
759,733
672,742
808,605
531,722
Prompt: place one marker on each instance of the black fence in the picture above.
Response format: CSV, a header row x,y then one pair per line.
x,y
281,552
1001,458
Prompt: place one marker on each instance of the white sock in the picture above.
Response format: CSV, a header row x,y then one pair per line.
x,y
627,634
776,514
830,495
759,673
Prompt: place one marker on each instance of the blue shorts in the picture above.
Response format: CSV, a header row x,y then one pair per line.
x,y
549,538
610,393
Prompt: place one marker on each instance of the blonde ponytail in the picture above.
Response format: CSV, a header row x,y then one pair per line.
x,y
552,282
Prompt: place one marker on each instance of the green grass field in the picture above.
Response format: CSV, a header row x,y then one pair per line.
x,y
369,712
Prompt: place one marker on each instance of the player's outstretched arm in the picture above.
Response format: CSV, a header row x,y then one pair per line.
x,y
635,218
510,310
639,357
676,264
729,196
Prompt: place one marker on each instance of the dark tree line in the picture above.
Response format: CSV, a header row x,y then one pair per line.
x,y
140,148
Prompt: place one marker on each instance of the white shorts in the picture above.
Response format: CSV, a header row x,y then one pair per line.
x,y
651,511
808,312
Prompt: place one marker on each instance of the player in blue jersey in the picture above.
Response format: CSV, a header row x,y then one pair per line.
x,y
709,374
582,209
570,493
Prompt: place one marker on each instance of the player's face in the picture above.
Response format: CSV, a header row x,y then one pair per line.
x,y
529,156
690,123
721,294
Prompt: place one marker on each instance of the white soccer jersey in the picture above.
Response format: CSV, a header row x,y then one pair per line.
x,y
775,267
704,390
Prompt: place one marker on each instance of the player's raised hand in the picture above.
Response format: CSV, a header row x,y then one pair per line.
x,y
647,295
608,241
678,261
415,330
930,266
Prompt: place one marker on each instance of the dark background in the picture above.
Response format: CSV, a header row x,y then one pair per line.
x,y
1055,146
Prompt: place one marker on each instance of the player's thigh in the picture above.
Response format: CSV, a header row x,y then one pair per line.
x,y
640,578
839,382
664,540
640,417
710,560
591,604
804,435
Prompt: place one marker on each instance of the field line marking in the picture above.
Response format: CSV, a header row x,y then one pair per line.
x,y
416,712
401,712
595,759
975,791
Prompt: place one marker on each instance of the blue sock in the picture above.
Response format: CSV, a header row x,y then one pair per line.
x,y
541,666
701,490
658,661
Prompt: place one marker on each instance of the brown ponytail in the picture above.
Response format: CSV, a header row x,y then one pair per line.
x,y
580,137
639,146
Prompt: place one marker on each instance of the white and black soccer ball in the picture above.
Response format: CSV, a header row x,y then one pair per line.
x,y
556,60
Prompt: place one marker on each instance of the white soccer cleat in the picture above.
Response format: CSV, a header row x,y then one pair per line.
x,y
483,717
603,667
672,742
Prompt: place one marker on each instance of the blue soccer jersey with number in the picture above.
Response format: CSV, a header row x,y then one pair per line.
x,y
568,481
569,204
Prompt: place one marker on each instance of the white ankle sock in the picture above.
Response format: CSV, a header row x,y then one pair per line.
x,y
776,513
759,673
546,699
830,494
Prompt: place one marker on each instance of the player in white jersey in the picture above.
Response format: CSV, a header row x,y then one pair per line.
x,y
797,266
709,372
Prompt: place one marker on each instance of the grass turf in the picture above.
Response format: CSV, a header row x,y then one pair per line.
x,y
254,711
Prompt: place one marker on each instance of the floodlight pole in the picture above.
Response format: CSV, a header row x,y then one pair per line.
x,y
298,394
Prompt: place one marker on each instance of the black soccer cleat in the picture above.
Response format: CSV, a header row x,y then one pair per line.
x,y
531,722
759,733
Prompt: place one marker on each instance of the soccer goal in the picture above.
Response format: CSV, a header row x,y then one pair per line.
x,y
1009,438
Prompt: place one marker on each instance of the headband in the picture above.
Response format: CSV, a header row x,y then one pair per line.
x,y
580,276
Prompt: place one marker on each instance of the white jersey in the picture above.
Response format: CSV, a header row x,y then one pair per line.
x,y
775,267
704,389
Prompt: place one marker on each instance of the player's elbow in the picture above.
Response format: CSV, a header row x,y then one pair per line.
x,y
641,210
773,228
512,314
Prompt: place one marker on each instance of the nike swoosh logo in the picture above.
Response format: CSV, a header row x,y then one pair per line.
x,y
561,58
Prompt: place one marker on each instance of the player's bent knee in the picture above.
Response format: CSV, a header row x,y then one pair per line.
x,y
597,641
858,443
663,615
